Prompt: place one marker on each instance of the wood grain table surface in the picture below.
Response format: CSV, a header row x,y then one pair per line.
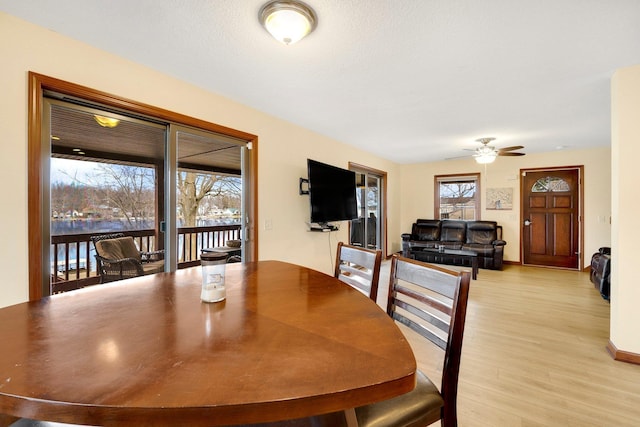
x,y
287,342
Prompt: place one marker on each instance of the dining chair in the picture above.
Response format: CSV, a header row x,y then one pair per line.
x,y
359,268
432,301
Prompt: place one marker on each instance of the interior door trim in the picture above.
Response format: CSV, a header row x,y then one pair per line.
x,y
580,169
38,84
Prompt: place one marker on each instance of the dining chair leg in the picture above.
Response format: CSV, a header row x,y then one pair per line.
x,y
350,416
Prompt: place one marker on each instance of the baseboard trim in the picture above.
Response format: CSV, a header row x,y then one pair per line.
x,y
622,356
511,262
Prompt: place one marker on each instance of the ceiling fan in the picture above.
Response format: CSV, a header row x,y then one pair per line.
x,y
487,153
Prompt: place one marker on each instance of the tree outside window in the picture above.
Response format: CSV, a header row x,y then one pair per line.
x,y
457,197
89,197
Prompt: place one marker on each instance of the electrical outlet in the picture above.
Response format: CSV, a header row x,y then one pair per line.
x,y
268,224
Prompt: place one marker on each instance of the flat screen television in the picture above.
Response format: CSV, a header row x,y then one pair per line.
x,y
332,193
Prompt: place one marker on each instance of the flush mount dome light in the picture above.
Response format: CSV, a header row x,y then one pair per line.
x,y
106,122
287,21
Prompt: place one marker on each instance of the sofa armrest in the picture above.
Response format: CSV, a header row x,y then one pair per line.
x,y
498,253
152,256
406,245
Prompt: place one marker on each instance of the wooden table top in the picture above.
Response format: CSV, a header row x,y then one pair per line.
x,y
287,342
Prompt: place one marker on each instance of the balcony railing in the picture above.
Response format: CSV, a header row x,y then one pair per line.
x,y
73,263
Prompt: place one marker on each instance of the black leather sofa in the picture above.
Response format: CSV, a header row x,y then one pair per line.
x,y
601,270
482,237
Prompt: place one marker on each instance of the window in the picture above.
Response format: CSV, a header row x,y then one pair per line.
x,y
457,197
550,184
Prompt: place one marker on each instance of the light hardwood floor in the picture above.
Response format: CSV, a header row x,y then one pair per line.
x,y
534,353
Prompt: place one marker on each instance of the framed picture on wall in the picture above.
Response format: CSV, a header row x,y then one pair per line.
x,y
500,199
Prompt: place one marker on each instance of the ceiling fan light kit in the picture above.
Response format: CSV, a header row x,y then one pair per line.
x,y
487,154
484,158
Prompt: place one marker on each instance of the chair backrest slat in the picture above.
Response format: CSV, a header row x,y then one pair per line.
x,y
425,299
440,322
359,268
358,282
425,332
437,280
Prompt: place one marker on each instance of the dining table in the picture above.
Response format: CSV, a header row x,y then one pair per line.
x,y
287,342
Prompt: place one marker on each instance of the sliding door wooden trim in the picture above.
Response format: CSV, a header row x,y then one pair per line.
x,y
38,84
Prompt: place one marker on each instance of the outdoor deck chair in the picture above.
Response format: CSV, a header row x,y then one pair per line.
x,y
118,258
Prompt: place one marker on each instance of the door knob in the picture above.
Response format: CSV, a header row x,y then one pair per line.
x,y
527,222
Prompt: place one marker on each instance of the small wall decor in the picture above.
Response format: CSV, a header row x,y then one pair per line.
x,y
500,199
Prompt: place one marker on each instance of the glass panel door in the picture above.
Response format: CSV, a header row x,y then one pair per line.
x,y
208,195
103,173
366,230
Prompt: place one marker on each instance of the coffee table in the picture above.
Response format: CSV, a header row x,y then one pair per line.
x,y
449,257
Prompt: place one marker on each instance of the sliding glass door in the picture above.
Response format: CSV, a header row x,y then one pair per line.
x,y
172,188
368,229
208,196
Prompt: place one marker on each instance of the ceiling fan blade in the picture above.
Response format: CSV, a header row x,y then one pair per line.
x,y
500,153
460,157
515,147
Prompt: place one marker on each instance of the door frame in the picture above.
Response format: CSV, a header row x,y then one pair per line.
x,y
580,169
38,84
382,221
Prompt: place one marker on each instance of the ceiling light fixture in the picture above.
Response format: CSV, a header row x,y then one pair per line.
x,y
485,155
288,21
106,122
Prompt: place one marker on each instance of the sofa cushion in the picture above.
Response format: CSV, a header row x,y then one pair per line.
x,y
153,267
118,248
426,230
453,231
450,245
481,232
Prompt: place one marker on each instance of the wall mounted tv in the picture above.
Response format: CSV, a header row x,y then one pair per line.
x,y
332,193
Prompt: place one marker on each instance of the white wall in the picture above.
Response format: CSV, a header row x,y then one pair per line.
x,y
282,150
625,291
417,199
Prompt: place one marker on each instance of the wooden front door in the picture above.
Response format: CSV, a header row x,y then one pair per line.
x,y
551,217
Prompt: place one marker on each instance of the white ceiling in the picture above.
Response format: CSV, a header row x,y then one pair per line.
x,y
408,80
